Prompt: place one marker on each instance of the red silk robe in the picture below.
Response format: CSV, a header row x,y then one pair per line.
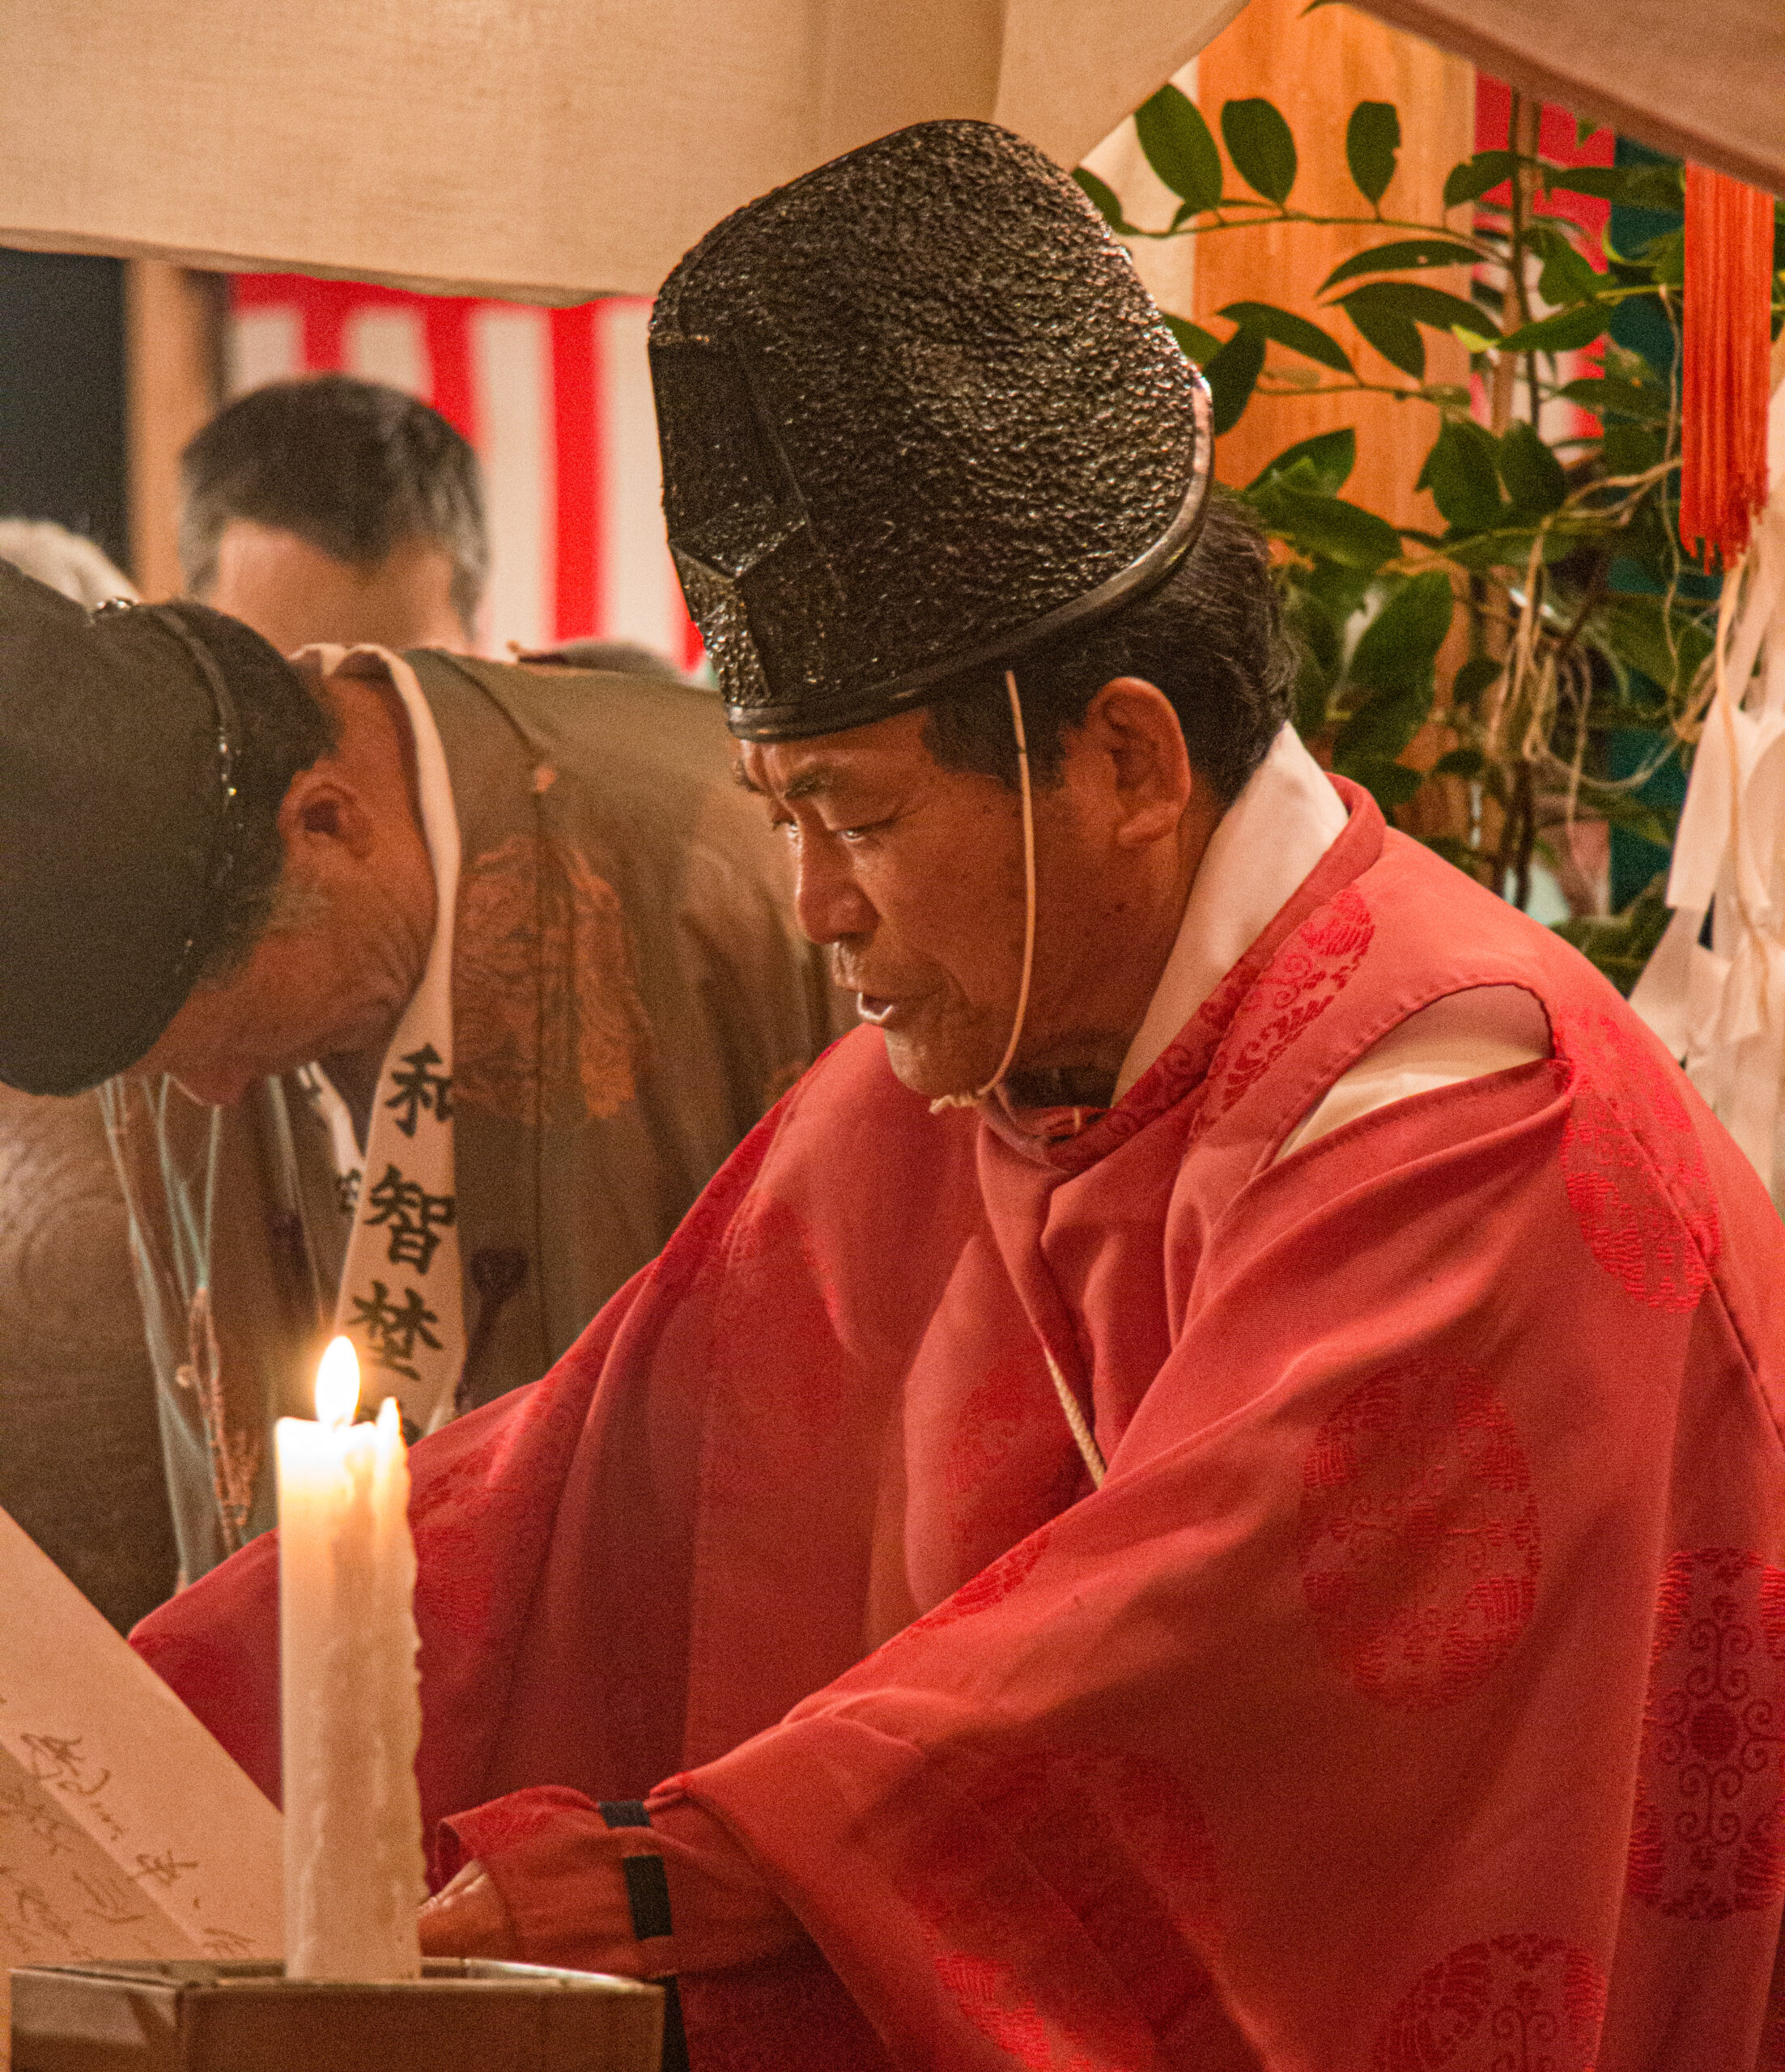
x,y
1411,1697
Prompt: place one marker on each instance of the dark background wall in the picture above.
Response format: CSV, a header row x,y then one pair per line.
x,y
63,446
80,1452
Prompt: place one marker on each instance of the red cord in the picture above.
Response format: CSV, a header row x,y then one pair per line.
x,y
1724,392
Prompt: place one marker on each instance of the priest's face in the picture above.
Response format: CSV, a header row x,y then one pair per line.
x,y
912,874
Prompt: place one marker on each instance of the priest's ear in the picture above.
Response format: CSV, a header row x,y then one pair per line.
x,y
1130,727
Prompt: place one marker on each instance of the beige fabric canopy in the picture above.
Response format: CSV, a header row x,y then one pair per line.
x,y
556,149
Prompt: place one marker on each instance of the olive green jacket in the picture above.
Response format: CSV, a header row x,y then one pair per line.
x,y
629,994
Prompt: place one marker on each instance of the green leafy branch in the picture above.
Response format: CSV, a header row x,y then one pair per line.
x,y
1560,552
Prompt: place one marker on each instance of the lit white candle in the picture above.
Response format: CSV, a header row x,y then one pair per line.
x,y
350,1712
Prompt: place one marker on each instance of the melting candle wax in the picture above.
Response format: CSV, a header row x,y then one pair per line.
x,y
351,1710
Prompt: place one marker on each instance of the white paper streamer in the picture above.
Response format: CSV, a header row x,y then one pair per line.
x,y
1720,1008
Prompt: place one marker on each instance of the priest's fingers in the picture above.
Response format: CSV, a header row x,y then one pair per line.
x,y
468,1918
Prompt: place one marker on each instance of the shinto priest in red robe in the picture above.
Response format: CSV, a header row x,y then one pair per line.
x,y
1268,1558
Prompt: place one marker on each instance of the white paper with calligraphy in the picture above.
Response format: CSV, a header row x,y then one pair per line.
x,y
124,1829
400,1301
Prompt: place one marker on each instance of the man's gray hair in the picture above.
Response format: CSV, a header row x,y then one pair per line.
x,y
352,467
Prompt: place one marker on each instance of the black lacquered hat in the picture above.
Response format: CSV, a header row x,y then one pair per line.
x,y
120,803
918,415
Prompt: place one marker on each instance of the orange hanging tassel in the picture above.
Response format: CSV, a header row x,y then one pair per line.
x,y
1724,386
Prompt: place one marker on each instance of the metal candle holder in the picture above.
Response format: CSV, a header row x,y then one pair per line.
x,y
467,2013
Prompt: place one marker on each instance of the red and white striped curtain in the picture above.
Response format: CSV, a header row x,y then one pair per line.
x,y
557,403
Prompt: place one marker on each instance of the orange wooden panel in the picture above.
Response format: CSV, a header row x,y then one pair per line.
x,y
1316,70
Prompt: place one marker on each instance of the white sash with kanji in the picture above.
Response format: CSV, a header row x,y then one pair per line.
x,y
400,1300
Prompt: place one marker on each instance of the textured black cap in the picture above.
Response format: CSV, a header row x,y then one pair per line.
x,y
917,413
118,806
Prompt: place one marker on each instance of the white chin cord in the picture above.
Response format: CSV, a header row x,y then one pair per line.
x,y
1078,1423
972,1100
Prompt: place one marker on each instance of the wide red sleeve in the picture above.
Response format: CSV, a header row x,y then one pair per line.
x,y
1317,1736
560,1869
485,1499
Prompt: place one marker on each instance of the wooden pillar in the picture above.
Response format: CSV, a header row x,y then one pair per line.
x,y
174,330
1316,69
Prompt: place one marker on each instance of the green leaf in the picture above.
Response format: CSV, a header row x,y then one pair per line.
x,y
1372,139
1259,144
1326,527
1196,344
1460,763
1460,473
1628,449
1178,148
1636,630
1232,375
1329,456
1408,252
1605,397
1282,327
1397,649
1476,675
1421,305
1657,187
1661,188
1566,331
1533,474
1394,338
1454,849
1507,546
1471,179
1636,815
1666,258
1321,636
1566,276
1394,660
1603,182
1105,199
1621,944
1390,784
1319,645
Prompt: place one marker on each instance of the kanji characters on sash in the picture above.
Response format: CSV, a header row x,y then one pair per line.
x,y
421,1088
414,1217
389,1331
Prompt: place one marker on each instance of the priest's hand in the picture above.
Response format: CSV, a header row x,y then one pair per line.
x,y
469,1918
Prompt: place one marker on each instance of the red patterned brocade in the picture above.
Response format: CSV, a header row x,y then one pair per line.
x,y
1411,1697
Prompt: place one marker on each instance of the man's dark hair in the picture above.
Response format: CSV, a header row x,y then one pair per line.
x,y
1210,637
353,467
281,727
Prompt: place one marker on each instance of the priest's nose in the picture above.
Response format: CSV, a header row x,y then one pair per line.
x,y
830,906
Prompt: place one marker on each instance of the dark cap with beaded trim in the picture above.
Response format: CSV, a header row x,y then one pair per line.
x,y
120,806
918,415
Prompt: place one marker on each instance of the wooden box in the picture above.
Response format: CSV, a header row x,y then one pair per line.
x,y
463,2015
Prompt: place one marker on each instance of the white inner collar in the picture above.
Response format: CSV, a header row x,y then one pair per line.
x,y
1286,818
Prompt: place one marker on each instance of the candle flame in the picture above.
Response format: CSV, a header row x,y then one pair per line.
x,y
337,1383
